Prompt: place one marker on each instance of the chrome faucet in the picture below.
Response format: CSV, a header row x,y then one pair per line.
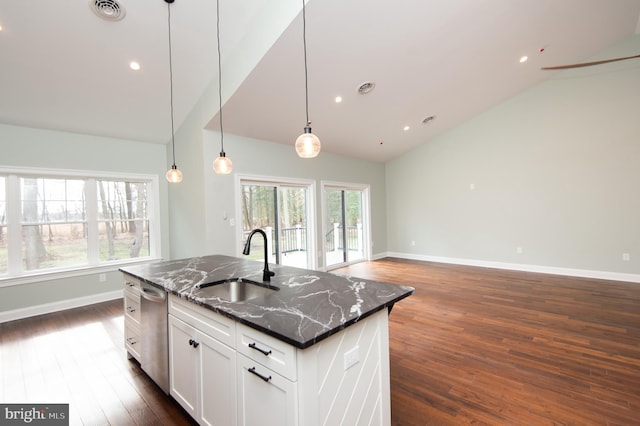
x,y
266,274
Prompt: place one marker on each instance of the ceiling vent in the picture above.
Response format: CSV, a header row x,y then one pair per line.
x,y
366,87
109,10
428,119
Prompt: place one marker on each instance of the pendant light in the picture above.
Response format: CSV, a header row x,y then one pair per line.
x,y
221,165
307,144
174,175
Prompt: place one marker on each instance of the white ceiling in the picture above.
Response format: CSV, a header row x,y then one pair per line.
x,y
64,68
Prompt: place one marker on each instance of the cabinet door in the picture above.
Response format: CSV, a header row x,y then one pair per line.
x,y
217,382
264,397
183,365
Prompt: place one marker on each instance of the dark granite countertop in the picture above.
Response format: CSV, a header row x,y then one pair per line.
x,y
309,306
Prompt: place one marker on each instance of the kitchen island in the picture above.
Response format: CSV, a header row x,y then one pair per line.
x,y
312,351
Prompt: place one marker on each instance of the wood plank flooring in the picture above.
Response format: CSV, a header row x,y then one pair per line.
x,y
486,346
78,357
471,346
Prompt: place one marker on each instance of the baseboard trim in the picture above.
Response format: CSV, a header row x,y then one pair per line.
x,y
62,305
583,273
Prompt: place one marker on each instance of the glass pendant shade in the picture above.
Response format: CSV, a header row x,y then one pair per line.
x,y
174,175
222,165
307,144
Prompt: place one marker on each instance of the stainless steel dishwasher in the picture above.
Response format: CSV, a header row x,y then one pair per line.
x,y
154,335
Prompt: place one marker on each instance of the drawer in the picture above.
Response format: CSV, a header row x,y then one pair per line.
x,y
272,353
132,340
211,323
131,285
131,308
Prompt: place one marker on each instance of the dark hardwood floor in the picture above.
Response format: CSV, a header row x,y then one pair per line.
x,y
78,357
471,346
486,346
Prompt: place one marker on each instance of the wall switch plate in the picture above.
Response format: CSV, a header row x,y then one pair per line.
x,y
519,250
351,357
232,222
626,257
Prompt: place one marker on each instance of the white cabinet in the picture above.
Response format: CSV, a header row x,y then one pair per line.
x,y
264,396
202,368
183,365
132,317
226,373
267,388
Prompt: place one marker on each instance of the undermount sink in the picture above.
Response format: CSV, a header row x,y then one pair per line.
x,y
236,289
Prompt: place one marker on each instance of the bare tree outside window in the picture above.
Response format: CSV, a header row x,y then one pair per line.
x,y
3,225
123,221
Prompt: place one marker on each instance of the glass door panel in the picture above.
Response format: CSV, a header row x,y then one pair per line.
x,y
334,224
345,233
258,211
353,219
280,211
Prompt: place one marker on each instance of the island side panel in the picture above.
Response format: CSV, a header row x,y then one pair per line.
x,y
344,379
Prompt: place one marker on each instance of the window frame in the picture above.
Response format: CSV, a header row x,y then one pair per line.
x,y
16,274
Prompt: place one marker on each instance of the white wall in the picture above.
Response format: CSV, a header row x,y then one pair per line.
x,y
556,171
261,158
26,147
186,200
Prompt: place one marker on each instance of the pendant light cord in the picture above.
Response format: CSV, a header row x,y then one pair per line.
x,y
304,43
173,140
219,75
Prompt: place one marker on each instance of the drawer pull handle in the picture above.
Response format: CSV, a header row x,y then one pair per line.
x,y
131,341
193,343
252,370
130,309
265,353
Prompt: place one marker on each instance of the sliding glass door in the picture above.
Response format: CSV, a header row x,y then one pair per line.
x,y
345,223
281,209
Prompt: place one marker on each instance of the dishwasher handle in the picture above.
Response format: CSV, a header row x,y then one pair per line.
x,y
153,294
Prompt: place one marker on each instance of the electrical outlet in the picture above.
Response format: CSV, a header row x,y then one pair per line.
x,y
413,243
232,222
102,278
626,257
519,250
351,357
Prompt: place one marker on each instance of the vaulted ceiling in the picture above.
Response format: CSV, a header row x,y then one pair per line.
x,y
65,68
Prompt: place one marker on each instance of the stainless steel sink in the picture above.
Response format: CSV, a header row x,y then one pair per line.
x,y
235,289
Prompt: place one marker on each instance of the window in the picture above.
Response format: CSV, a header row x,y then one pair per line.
x,y
283,209
3,225
51,222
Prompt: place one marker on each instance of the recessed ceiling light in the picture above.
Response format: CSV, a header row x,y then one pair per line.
x,y
134,65
338,99
0,27
524,59
406,128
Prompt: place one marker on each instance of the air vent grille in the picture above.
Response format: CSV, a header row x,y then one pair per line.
x,y
109,10
366,87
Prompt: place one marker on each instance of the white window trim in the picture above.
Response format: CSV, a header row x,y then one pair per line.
x,y
309,184
366,218
13,216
